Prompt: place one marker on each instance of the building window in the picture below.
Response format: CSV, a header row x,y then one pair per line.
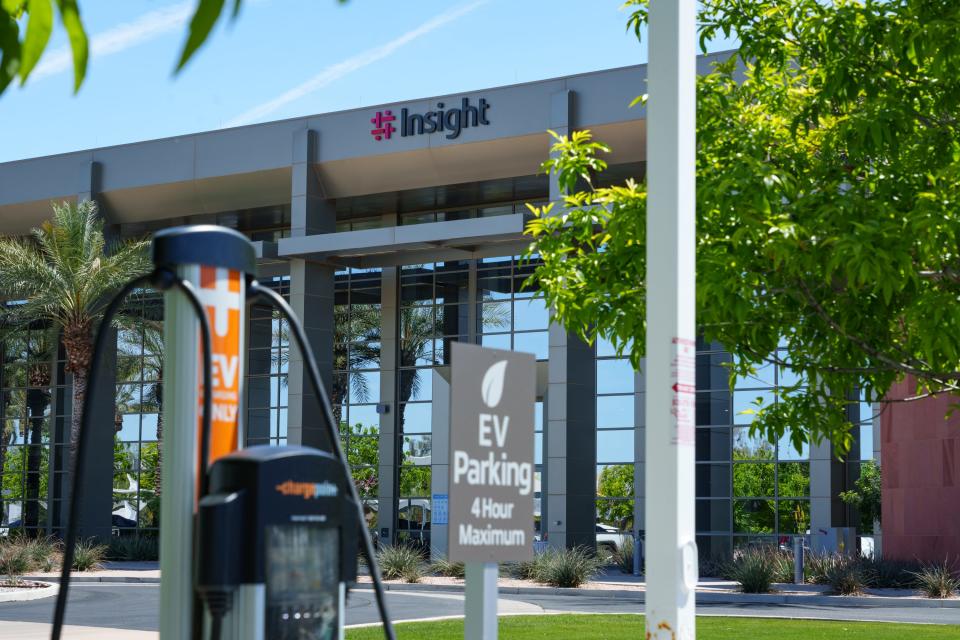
x,y
356,377
26,395
138,420
268,359
616,429
509,316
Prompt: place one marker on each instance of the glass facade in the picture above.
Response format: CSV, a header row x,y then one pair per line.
x,y
616,429
26,394
748,490
138,421
433,312
356,377
268,359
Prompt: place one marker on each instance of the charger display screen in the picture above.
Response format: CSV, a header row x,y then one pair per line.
x,y
302,586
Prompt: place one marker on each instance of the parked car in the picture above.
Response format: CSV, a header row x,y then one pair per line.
x,y
609,538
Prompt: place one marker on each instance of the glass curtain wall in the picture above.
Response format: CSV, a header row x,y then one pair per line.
x,y
616,399
509,316
25,394
137,421
433,312
356,377
748,488
268,360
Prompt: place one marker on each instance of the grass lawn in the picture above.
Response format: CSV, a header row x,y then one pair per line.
x,y
609,627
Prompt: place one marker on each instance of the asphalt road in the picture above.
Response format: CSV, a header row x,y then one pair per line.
x,y
134,606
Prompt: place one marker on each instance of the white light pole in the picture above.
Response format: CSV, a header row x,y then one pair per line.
x,y
671,552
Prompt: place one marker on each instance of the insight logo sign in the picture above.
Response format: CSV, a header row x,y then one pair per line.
x,y
450,121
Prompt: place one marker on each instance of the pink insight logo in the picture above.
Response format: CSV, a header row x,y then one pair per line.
x,y
382,125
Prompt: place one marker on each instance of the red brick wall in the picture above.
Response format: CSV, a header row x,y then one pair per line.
x,y
920,458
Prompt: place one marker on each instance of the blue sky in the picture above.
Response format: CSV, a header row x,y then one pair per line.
x,y
287,58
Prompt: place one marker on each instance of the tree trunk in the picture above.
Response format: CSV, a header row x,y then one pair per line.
x,y
78,345
79,398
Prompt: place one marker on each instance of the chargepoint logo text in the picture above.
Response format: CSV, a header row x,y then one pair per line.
x,y
307,490
449,120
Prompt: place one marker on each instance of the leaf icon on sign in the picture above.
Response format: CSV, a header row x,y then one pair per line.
x,y
492,386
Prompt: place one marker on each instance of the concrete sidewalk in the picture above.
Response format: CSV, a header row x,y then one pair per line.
x,y
41,631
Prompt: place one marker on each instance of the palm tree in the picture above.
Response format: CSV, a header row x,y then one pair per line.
x,y
65,274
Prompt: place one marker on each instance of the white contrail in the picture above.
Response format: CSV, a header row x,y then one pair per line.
x,y
337,71
119,38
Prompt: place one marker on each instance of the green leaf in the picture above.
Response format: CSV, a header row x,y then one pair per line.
x,y
70,17
206,15
10,46
39,28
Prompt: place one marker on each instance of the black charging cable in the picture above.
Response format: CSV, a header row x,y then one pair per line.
x,y
161,279
255,289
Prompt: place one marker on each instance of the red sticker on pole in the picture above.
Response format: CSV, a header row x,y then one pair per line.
x,y
683,373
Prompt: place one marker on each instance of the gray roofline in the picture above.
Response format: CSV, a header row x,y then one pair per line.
x,y
718,54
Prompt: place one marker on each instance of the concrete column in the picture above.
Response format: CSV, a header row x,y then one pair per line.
x,y
570,429
821,459
96,505
389,482
311,295
570,436
561,117
89,183
440,458
639,453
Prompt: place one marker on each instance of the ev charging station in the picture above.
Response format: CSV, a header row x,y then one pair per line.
x,y
258,543
217,262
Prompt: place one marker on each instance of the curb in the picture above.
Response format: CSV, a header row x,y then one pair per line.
x,y
702,597
75,579
30,594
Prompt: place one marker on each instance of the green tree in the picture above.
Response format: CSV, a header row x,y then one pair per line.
x,y
827,217
866,495
65,274
615,481
26,27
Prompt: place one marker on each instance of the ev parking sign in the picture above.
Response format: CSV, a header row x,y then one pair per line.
x,y
492,399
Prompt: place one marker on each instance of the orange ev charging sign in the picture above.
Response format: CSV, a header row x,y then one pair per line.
x,y
222,295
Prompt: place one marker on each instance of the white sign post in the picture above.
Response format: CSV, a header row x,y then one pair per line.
x,y
671,552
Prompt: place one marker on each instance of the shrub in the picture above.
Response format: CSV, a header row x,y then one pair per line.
x,y
449,569
524,570
754,569
43,552
716,567
398,561
14,561
937,581
623,558
818,566
88,555
566,567
891,574
134,548
782,564
848,575
413,573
